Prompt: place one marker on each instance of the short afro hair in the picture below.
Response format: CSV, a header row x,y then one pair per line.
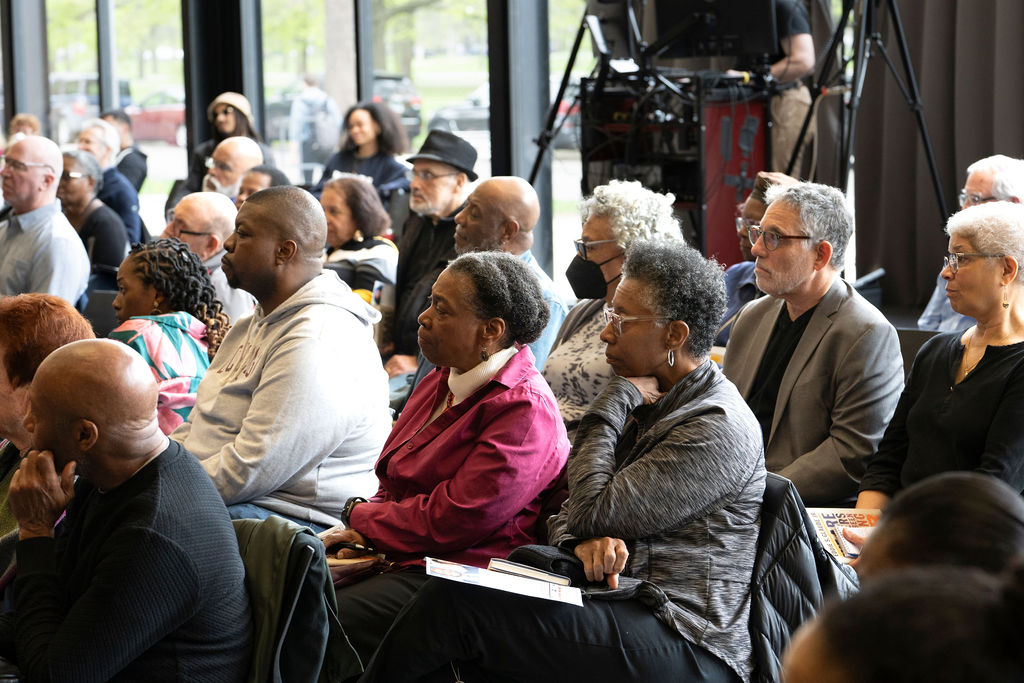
x,y
680,284
506,288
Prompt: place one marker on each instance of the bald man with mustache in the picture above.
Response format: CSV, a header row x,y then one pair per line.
x,y
142,579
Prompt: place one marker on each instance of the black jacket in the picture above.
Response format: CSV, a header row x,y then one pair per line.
x,y
793,575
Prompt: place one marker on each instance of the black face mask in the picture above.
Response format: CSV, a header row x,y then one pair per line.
x,y
586,278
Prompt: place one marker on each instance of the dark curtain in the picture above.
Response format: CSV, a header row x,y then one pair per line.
x,y
968,57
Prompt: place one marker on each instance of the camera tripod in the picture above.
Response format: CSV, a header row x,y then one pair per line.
x,y
831,74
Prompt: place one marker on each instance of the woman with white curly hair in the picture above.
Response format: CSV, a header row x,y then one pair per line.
x,y
963,404
615,216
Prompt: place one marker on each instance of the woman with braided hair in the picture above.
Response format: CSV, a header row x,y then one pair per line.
x,y
169,313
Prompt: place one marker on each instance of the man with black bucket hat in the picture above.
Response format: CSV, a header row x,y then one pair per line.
x,y
439,184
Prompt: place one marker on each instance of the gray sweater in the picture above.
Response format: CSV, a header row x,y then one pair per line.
x,y
681,481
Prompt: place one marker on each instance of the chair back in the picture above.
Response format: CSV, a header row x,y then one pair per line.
x,y
911,341
99,311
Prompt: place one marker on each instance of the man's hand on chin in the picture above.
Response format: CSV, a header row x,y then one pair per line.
x,y
38,495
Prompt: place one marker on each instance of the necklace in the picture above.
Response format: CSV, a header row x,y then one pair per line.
x,y
966,366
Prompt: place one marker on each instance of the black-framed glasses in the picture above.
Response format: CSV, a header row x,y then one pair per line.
x,y
974,198
21,166
427,176
583,245
954,259
616,319
222,111
771,238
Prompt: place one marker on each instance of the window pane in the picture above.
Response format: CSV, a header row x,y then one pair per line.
x,y
71,44
151,82
564,17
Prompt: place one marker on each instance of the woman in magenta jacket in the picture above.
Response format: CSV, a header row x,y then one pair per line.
x,y
478,450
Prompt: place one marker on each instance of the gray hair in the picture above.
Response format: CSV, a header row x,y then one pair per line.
x,y
111,138
682,285
633,211
90,167
506,288
992,228
824,214
1007,175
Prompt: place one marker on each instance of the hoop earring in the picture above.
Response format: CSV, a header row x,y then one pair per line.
x,y
671,357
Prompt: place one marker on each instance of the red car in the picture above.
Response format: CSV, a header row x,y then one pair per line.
x,y
160,116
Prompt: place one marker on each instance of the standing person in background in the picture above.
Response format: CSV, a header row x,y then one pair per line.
x,y
130,161
373,136
313,114
101,140
101,229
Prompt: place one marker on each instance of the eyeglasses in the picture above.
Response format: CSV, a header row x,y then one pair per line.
x,y
221,166
771,238
21,166
973,199
428,175
583,245
68,176
744,224
222,112
616,319
954,260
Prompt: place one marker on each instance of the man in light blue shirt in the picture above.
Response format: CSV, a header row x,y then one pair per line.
x,y
39,250
997,178
500,215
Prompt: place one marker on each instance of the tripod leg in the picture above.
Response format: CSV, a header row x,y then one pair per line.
x,y
915,102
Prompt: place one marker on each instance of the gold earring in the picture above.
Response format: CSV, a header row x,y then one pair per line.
x,y
1006,302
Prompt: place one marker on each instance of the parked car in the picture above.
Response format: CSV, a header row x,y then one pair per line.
x,y
474,114
396,90
400,94
160,116
75,97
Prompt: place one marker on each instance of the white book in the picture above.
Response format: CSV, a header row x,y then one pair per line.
x,y
510,583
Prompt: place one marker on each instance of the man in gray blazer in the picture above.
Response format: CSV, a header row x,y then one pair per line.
x,y
819,366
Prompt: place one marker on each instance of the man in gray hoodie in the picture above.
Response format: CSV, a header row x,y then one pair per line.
x,y
293,411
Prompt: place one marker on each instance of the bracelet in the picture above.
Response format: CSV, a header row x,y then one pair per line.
x,y
346,511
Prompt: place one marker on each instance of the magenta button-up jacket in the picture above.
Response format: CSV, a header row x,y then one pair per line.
x,y
470,485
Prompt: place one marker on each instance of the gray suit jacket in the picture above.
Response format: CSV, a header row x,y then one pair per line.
x,y
837,394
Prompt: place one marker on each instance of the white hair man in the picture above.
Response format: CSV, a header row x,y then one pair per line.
x,y
102,140
229,162
819,366
997,178
39,250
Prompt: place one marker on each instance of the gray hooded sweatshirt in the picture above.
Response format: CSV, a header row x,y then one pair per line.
x,y
293,411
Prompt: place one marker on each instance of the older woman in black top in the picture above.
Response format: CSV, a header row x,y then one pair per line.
x,y
666,478
963,405
100,228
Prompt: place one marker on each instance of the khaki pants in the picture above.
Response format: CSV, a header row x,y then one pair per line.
x,y
789,108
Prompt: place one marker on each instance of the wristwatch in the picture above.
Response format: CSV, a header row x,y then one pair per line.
x,y
346,511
